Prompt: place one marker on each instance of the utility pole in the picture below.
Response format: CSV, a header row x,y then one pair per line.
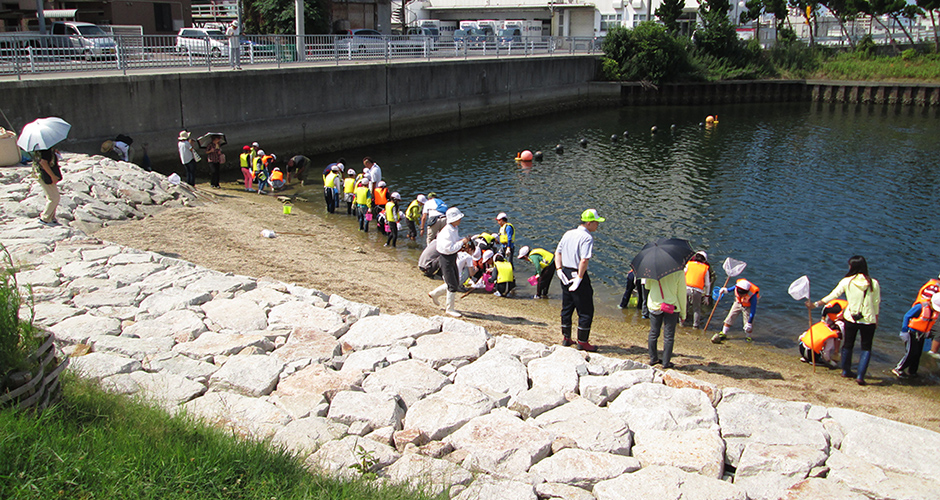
x,y
299,24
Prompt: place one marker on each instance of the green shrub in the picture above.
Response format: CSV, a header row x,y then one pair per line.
x,y
17,337
909,55
610,69
794,59
865,48
647,52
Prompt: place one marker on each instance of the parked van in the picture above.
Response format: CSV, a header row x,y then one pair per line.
x,y
84,39
202,40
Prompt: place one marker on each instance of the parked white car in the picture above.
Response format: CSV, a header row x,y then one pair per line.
x,y
201,41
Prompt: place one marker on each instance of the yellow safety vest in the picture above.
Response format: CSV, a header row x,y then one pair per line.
x,y
362,195
391,212
330,180
349,185
243,159
413,212
503,237
547,257
503,272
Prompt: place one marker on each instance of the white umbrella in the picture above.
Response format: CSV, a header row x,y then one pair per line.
x,y
43,133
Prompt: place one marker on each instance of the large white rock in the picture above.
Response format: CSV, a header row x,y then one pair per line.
x,y
195,370
583,468
875,440
181,325
376,409
167,389
767,471
98,365
500,443
338,457
696,450
872,481
307,316
266,297
815,488
411,380
679,380
221,283
173,298
236,314
308,343
131,347
132,273
442,348
666,483
440,414
225,344
431,475
50,313
384,330
249,417
253,375
522,349
302,405
558,371
660,408
536,401
497,372
367,360
78,329
39,277
591,427
489,488
306,435
605,388
318,380
357,309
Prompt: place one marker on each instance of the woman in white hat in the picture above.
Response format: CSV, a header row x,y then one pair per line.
x,y
448,244
188,156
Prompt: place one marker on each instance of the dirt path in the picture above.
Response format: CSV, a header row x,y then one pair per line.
x,y
332,257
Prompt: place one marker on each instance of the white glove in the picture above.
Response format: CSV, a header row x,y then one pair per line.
x,y
748,328
561,277
574,284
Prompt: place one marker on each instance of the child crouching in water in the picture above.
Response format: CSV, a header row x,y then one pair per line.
x,y
505,281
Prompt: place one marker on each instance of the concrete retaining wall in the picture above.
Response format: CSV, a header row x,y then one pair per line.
x,y
328,108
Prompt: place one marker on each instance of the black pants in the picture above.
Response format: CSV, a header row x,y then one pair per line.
x,y
545,280
867,333
328,195
449,271
505,288
361,211
581,300
915,347
190,172
392,234
412,229
214,169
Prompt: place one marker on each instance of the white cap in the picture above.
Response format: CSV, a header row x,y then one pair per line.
x,y
382,184
523,252
255,144
703,254
260,152
422,199
935,302
743,284
396,196
502,215
337,168
487,255
453,215
350,172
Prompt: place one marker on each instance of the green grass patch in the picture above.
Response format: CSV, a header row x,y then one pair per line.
x,y
104,446
909,67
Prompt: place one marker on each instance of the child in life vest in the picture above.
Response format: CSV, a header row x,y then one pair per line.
x,y
746,295
822,341
277,179
503,276
918,321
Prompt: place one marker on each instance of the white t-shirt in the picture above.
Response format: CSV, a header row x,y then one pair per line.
x,y
375,173
186,152
430,208
122,148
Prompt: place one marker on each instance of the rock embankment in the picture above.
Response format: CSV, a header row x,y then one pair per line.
x,y
435,402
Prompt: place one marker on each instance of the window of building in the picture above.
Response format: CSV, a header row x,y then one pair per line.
x,y
638,18
162,17
609,21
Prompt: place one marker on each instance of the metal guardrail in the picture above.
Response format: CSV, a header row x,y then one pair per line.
x,y
28,54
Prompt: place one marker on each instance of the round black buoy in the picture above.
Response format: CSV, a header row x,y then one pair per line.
x,y
538,156
559,149
583,143
654,129
614,138
626,133
672,128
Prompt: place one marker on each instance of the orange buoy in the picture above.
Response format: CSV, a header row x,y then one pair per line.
x,y
526,155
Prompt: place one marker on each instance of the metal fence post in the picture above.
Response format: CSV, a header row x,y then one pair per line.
x,y
208,55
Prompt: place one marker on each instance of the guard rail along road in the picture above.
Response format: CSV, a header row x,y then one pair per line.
x,y
32,54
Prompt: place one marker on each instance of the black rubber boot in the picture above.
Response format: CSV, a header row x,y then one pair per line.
x,y
566,335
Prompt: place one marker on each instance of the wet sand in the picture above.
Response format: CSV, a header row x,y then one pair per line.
x,y
328,254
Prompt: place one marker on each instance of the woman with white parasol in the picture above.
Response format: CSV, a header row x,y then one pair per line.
x,y
39,138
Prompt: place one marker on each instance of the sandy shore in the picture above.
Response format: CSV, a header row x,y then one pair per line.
x,y
326,253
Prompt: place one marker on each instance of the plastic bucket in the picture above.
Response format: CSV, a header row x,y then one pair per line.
x,y
287,209
369,216
534,279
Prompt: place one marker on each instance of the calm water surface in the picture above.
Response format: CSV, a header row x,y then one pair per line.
x,y
790,189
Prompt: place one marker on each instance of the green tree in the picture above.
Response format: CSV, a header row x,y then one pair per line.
x,y
930,6
843,10
717,36
891,8
277,17
808,10
668,13
647,53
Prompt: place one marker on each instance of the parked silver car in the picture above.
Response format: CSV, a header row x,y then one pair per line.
x,y
202,41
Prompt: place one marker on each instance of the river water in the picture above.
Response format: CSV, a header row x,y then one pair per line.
x,y
791,189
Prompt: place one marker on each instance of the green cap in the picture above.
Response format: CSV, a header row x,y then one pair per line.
x,y
590,215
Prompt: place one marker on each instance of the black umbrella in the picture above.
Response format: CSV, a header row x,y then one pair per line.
x,y
206,139
662,257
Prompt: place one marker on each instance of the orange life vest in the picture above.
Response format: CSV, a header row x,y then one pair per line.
x,y
277,175
745,300
819,334
926,292
380,196
842,302
924,321
695,274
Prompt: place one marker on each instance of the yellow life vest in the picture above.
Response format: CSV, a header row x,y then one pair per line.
x,y
820,333
349,185
391,212
243,159
362,195
413,212
547,257
503,272
330,180
503,236
695,274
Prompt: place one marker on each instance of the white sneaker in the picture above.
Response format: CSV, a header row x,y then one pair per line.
x,y
497,294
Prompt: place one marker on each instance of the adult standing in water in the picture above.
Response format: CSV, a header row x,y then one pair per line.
x,y
448,244
861,315
571,263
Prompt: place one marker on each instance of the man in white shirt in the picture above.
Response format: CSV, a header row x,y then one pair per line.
x,y
432,214
375,172
233,32
448,244
571,262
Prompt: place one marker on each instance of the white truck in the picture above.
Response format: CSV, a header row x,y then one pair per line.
x,y
531,30
446,29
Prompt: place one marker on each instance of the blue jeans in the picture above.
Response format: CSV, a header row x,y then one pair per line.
x,y
667,324
190,172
